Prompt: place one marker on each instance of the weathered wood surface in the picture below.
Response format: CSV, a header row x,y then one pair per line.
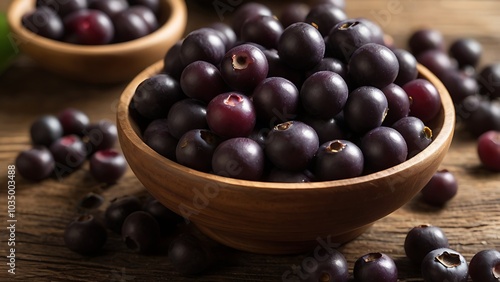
x,y
471,220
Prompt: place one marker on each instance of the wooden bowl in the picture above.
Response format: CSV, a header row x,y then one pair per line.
x,y
281,218
110,63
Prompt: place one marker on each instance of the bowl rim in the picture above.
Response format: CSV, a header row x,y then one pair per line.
x,y
177,16
443,137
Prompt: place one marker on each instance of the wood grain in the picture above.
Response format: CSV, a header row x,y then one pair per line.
x,y
471,220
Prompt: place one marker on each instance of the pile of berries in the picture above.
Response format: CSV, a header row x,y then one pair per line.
x,y
62,143
321,97
93,22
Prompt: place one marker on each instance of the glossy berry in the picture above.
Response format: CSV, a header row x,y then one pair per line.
x,y
422,239
292,145
459,85
202,45
485,266
398,103
276,100
488,79
196,148
85,235
247,11
44,22
110,7
324,94
118,210
293,12
226,33
45,130
240,158
425,39
107,165
188,255
101,135
416,134
299,39
479,114
231,115
365,109
172,64
327,130
466,51
329,64
64,8
88,27
425,100
324,17
186,115
157,137
407,66
263,30
375,267
131,24
141,232
197,76
373,65
346,37
147,16
330,265
383,147
338,159
444,264
69,151
155,96
440,189
35,164
243,67
437,61
488,150
73,121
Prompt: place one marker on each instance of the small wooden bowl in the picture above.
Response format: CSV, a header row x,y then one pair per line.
x,y
110,63
281,218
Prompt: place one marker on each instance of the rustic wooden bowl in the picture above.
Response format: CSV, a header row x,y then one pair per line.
x,y
281,218
110,63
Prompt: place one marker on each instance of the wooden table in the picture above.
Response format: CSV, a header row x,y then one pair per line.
x,y
471,220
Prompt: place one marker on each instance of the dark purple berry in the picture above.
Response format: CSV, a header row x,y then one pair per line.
x,y
441,188
373,65
202,45
101,135
231,115
85,235
292,145
416,134
488,150
196,148
186,115
293,12
166,218
118,210
422,239
110,7
437,61
485,266
69,151
425,39
346,37
107,165
407,66
188,255
398,103
88,27
489,80
263,30
365,109
324,94
276,100
383,147
466,51
338,159
141,232
44,22
297,40
247,11
35,164
324,17
64,8
375,267
444,264
45,130
197,76
157,136
425,101
330,265
240,158
244,67
73,121
155,96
